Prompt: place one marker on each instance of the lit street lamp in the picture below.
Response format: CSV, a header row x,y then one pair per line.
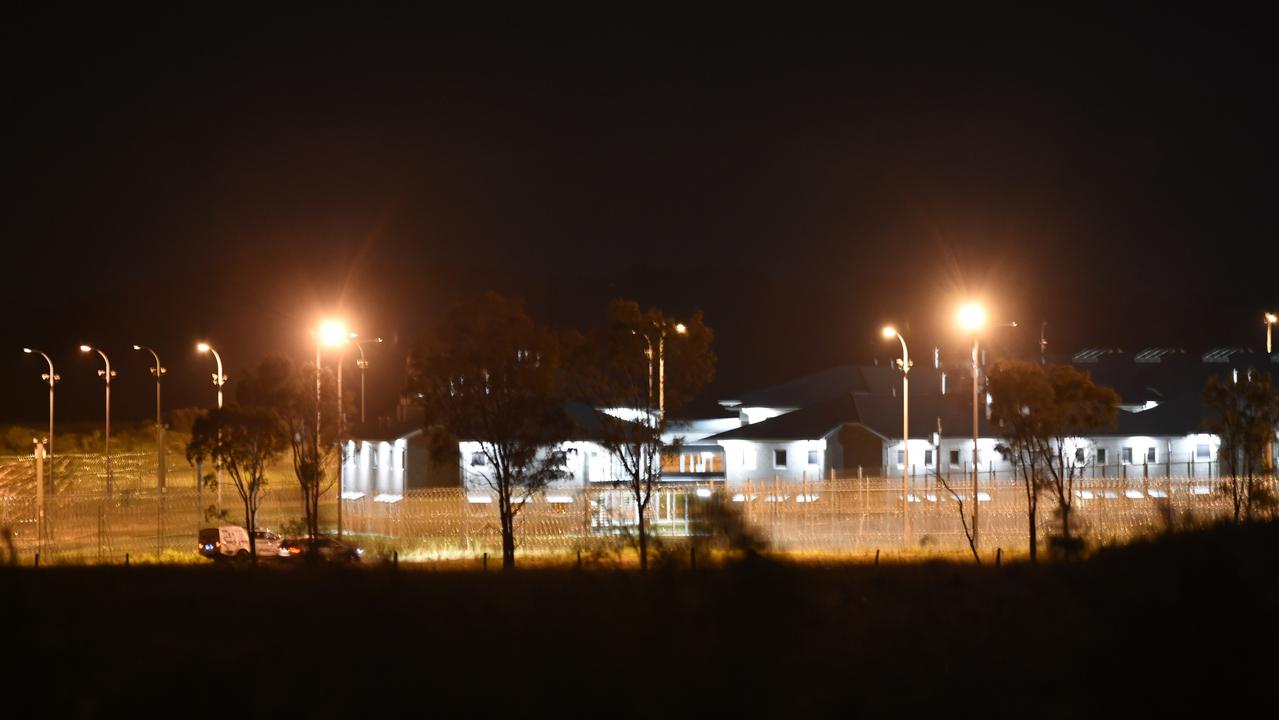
x,y
106,374
680,329
363,365
890,332
1271,319
972,318
218,381
331,333
52,378
158,371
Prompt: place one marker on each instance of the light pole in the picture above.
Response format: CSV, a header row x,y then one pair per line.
x,y
332,333
971,318
363,365
890,332
106,374
52,378
218,381
1271,319
158,371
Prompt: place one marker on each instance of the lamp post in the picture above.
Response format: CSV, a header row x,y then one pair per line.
x,y
971,318
106,374
1271,319
218,381
52,378
332,333
890,332
158,371
363,365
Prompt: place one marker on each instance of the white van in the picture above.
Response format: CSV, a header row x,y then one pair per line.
x,y
232,541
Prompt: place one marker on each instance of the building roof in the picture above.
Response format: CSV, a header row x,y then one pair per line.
x,y
829,383
881,414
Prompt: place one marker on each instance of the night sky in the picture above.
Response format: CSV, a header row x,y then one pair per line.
x,y
800,177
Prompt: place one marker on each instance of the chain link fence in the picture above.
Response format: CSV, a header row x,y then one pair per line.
x,y
835,517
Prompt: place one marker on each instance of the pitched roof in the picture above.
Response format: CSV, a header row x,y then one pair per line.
x,y
881,414
829,383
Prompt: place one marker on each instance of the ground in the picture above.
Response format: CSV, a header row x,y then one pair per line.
x,y
1165,624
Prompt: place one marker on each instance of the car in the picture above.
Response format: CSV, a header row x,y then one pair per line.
x,y
327,549
231,542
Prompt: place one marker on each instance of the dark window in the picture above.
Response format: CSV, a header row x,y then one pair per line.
x,y
812,457
954,457
901,457
928,457
1150,455
1202,451
779,458
1127,456
478,460
1079,455
1101,456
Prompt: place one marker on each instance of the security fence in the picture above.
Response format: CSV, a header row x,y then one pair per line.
x,y
846,516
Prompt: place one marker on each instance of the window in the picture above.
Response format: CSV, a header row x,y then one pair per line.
x,y
954,457
1079,455
901,457
812,457
1150,455
748,458
779,458
1101,456
478,459
1203,452
928,457
404,458
1127,456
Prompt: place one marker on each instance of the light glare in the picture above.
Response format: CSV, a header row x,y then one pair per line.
x,y
333,332
202,347
972,316
890,331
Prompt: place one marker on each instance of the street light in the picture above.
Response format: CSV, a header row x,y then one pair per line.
x,y
972,318
331,333
106,374
218,378
890,332
1271,319
363,365
52,378
680,329
218,381
158,371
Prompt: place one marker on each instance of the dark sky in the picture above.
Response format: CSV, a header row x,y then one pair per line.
x,y
800,176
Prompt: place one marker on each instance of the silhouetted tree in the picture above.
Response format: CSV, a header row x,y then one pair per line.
x,y
1047,412
618,369
1244,415
243,442
288,391
493,377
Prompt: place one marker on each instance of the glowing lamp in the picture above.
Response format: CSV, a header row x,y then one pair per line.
x,y
202,347
333,332
85,348
972,317
681,328
889,331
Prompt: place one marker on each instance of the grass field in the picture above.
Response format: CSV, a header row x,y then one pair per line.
x,y
1156,626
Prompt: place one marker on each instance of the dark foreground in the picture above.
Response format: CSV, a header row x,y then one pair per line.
x,y
1187,621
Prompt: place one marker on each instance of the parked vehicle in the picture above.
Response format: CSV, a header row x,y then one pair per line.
x,y
232,542
326,549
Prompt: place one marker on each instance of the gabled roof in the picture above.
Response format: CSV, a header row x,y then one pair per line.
x,y
880,414
829,383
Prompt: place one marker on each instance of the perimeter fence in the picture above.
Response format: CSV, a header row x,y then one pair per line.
x,y
835,516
